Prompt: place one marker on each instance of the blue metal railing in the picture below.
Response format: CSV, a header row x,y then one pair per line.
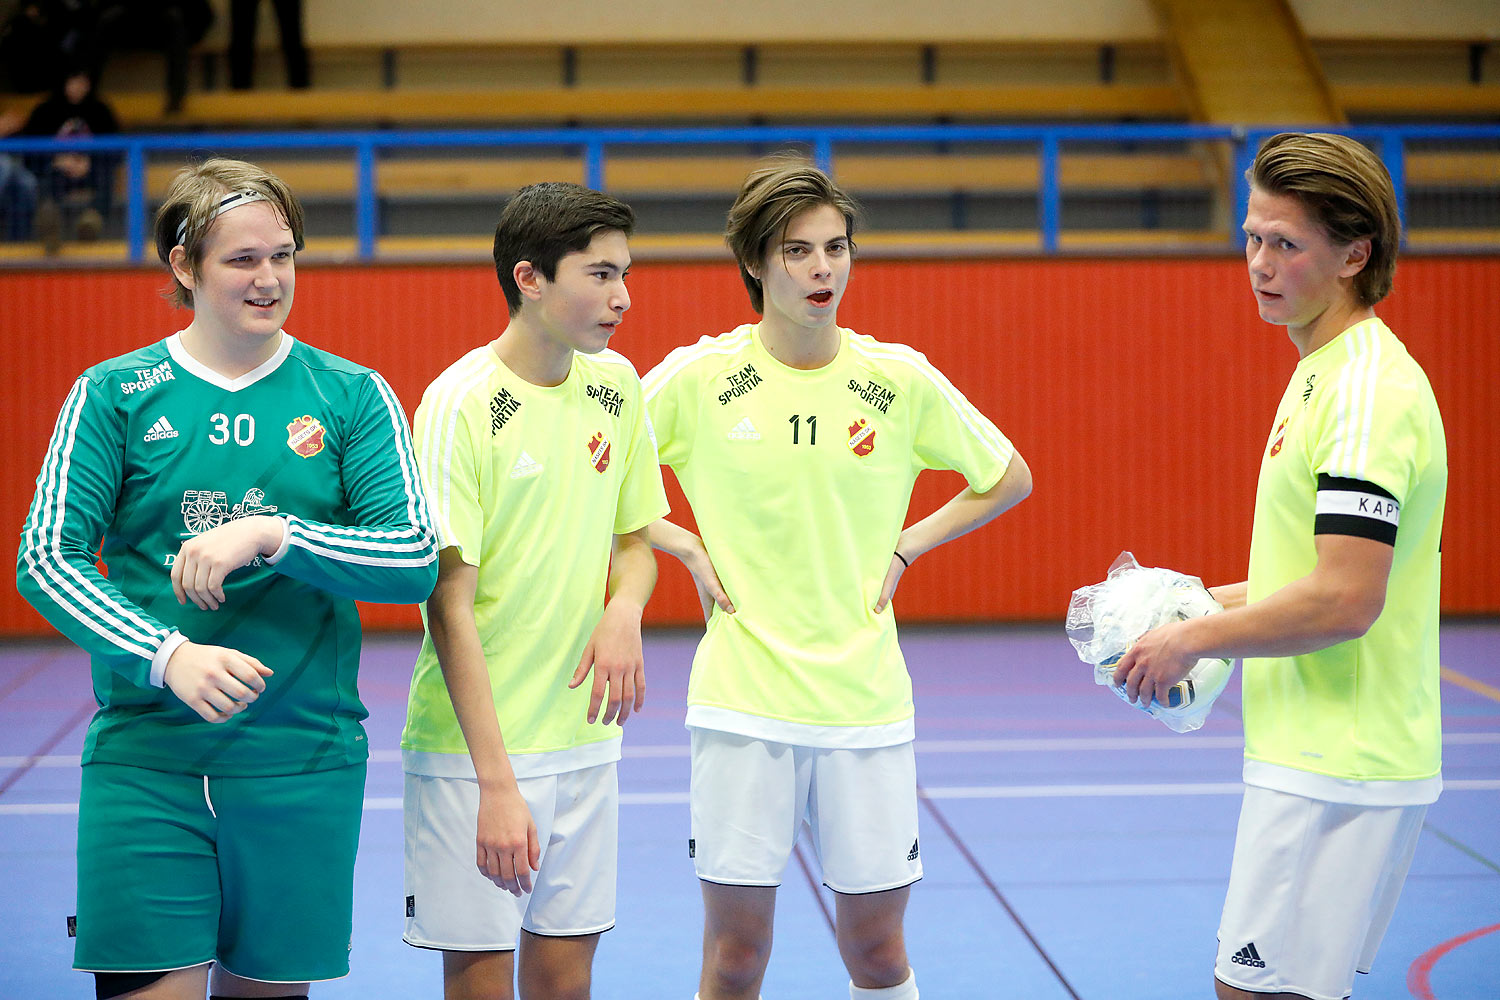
x,y
595,144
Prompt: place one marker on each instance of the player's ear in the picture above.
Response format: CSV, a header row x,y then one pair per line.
x,y
528,279
182,268
1356,256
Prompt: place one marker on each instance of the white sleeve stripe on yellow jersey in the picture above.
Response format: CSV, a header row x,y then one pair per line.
x,y
976,422
981,427
450,412
447,396
674,363
1347,454
427,421
1371,378
613,358
1354,406
131,633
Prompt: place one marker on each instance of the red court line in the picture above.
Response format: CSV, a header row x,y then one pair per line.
x,y
817,890
31,671
1418,977
994,889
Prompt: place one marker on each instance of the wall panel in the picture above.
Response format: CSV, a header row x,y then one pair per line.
x,y
1140,392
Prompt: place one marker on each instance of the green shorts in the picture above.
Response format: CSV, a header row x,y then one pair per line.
x,y
254,873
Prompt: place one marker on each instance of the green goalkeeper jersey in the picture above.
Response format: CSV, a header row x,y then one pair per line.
x,y
152,448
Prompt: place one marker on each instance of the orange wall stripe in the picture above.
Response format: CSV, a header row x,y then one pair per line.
x,y
1139,391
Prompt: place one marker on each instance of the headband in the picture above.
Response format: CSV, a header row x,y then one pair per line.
x,y
234,199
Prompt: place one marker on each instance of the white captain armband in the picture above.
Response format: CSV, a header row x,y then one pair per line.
x,y
1355,507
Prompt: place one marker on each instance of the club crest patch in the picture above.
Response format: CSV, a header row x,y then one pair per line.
x,y
599,451
861,437
305,436
1278,438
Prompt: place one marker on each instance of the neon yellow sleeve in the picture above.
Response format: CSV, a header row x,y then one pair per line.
x,y
951,433
642,497
446,451
671,408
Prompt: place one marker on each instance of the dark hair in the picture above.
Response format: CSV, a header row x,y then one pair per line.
x,y
1347,191
543,223
781,188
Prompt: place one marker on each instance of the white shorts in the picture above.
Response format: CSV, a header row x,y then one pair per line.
x,y
1311,892
750,798
451,906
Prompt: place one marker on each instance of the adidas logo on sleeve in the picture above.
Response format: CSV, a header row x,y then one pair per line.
x,y
1248,956
160,431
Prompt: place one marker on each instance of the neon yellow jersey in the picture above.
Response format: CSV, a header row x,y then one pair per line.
x,y
800,481
530,483
1357,448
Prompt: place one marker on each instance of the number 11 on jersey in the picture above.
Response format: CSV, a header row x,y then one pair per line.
x,y
812,428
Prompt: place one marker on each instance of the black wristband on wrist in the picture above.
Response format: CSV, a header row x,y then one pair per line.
x,y
903,560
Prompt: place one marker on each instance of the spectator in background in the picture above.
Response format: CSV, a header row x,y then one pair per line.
x,y
76,189
41,35
17,184
171,26
243,20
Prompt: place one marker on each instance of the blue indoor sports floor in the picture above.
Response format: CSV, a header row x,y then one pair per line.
x,y
1073,847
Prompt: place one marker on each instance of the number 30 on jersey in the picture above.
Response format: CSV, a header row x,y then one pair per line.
x,y
241,429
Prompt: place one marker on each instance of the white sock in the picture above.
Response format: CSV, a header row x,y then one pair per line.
x,y
905,990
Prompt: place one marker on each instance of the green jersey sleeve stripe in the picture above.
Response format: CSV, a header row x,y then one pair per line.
x,y
416,500
298,540
984,432
53,507
344,543
417,539
87,602
367,537
394,531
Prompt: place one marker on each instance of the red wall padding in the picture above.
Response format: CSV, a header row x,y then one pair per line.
x,y
1140,392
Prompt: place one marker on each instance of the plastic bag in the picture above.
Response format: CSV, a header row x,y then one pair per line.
x,y
1105,619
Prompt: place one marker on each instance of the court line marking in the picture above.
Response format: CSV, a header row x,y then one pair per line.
x,y
1419,974
1470,683
1459,845
989,883
393,802
28,762
817,889
1035,745
36,667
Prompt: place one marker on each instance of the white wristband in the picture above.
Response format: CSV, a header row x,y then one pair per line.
x,y
163,654
286,540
